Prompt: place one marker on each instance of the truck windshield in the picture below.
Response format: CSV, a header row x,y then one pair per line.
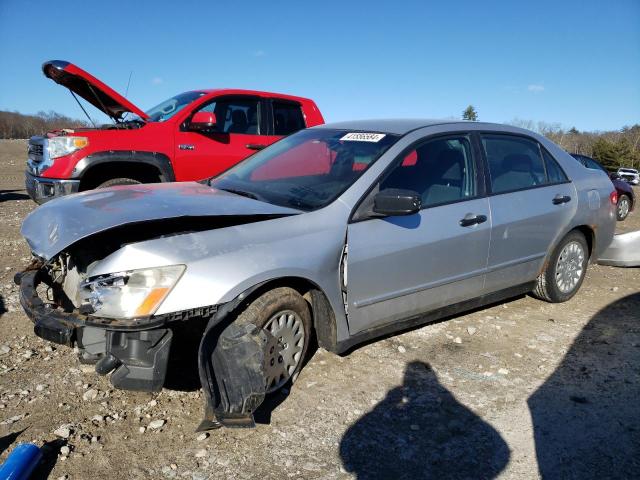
x,y
169,108
307,170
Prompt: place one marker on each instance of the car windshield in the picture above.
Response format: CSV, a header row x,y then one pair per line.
x,y
170,107
306,170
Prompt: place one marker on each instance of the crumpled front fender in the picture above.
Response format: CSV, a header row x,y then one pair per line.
x,y
230,365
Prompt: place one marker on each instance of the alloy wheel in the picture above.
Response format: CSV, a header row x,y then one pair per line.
x,y
570,267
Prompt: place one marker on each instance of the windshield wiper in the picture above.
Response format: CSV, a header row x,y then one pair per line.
x,y
242,193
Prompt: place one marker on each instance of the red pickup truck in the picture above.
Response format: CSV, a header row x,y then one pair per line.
x,y
191,136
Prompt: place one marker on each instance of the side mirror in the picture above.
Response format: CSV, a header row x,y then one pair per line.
x,y
396,201
203,122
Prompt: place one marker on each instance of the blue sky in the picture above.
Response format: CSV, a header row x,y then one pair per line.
x,y
572,62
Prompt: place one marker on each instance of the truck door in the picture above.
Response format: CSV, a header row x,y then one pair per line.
x,y
240,131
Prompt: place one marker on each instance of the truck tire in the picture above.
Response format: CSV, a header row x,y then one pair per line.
x,y
623,207
118,181
565,270
286,315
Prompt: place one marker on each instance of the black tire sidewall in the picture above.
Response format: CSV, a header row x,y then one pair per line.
x,y
552,288
114,182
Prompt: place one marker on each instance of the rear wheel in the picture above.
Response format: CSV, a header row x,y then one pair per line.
x,y
284,314
118,181
565,270
623,207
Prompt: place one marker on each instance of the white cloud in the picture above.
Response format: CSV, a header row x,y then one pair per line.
x,y
156,81
259,53
535,88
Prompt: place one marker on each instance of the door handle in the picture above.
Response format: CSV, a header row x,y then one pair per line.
x,y
472,219
559,199
255,146
186,146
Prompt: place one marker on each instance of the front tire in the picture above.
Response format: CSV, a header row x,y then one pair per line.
x,y
119,181
286,315
565,270
623,207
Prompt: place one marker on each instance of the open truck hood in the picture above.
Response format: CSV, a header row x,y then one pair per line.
x,y
56,225
87,86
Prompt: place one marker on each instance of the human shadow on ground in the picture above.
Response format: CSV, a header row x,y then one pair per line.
x,y
420,430
3,308
50,455
7,195
586,415
7,440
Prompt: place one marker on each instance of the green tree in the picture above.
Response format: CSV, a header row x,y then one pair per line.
x,y
606,152
470,114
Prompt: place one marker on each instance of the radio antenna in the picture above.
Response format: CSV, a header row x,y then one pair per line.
x,y
128,83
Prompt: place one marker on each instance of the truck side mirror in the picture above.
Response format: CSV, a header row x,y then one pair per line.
x,y
203,122
396,201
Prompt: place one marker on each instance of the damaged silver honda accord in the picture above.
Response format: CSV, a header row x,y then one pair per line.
x,y
334,235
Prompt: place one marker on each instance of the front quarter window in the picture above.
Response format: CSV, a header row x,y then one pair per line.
x,y
307,170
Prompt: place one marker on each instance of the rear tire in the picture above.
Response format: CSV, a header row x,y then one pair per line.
x,y
118,181
565,270
623,207
286,315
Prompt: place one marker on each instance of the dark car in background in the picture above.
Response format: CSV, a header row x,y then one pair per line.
x,y
626,196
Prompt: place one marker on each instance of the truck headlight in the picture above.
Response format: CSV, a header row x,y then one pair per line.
x,y
61,146
130,294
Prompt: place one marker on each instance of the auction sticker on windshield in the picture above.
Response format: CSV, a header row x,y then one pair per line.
x,y
363,137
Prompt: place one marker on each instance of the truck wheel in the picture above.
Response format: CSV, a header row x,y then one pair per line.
x,y
565,270
623,207
285,315
118,181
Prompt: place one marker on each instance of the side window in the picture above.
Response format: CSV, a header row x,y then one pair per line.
x,y
239,115
514,162
592,164
287,118
554,172
440,170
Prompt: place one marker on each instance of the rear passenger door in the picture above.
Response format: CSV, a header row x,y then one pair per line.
x,y
284,118
532,202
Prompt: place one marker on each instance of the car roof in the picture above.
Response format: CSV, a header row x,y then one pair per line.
x,y
402,126
257,93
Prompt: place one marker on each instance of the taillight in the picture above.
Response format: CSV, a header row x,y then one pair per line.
x,y
613,196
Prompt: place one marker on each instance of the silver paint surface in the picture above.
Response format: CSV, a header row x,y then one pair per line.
x,y
396,266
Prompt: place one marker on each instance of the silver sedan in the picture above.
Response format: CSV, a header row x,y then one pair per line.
x,y
334,235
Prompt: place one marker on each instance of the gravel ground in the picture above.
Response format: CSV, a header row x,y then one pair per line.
x,y
523,389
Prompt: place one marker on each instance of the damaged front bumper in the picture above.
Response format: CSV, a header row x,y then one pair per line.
x,y
136,353
624,251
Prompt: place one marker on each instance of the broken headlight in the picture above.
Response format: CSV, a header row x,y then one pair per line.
x,y
130,294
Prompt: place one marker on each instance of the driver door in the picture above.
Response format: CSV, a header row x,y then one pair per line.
x,y
402,266
240,125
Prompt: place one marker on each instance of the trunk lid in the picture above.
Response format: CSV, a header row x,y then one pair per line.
x,y
58,224
87,86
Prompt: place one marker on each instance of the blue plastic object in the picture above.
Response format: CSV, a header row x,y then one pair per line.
x,y
21,462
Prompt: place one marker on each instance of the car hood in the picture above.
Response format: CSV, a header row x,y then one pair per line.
x,y
87,86
58,224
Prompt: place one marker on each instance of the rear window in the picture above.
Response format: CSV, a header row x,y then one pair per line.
x,y
517,163
287,118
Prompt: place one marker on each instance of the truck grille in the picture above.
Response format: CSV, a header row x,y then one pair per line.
x,y
35,150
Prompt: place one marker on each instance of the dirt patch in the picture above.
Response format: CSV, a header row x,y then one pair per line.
x,y
517,390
